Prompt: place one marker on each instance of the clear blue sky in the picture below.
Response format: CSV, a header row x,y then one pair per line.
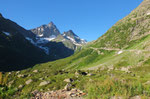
x,y
87,18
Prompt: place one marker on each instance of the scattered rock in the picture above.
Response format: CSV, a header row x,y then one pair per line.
x,y
116,97
102,68
46,76
68,87
68,80
90,74
20,75
110,68
35,92
147,83
10,83
17,72
20,86
35,71
9,73
29,75
126,69
136,97
41,78
76,73
58,94
120,52
28,81
44,83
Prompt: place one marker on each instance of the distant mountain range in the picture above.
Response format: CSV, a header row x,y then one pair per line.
x,y
21,48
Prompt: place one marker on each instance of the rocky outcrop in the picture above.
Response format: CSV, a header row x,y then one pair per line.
x,y
46,30
59,94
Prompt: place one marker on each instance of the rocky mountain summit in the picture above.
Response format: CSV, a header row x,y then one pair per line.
x,y
46,33
46,30
70,35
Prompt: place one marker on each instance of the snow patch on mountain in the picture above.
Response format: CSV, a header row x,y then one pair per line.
x,y
71,39
29,39
46,49
40,35
50,38
6,33
39,41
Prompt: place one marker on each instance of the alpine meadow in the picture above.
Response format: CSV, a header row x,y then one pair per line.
x,y
45,63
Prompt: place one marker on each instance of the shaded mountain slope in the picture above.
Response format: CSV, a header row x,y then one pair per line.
x,y
15,51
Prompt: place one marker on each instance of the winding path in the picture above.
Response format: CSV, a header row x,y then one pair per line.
x,y
113,49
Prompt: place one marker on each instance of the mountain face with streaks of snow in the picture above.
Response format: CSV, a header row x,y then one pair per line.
x,y
16,52
50,33
46,31
21,48
70,35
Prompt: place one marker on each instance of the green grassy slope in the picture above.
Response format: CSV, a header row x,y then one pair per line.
x,y
118,61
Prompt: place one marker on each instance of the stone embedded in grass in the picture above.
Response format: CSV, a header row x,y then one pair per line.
x,y
28,81
76,73
90,74
116,97
17,72
44,83
68,80
35,71
10,83
41,78
147,83
59,94
126,69
20,86
110,68
68,87
19,76
136,97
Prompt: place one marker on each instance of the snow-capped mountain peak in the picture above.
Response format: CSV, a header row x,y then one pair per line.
x,y
47,33
73,37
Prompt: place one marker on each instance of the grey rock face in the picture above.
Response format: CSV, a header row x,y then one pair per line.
x,y
46,30
70,35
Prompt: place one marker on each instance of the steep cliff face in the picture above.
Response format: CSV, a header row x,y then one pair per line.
x,y
46,31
